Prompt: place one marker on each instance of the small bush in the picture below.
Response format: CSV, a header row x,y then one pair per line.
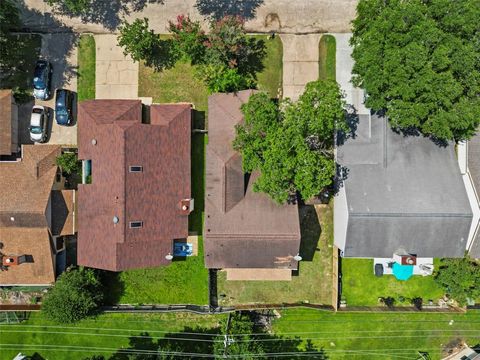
x,y
219,78
68,162
76,295
189,39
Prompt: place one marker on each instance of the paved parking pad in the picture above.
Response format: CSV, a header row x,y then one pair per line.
x,y
116,74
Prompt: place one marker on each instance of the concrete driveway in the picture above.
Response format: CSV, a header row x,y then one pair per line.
x,y
61,51
116,74
300,62
344,66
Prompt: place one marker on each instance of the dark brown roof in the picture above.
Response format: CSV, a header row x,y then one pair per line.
x,y
243,229
25,192
6,99
162,148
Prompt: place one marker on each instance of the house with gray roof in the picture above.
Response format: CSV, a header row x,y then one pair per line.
x,y
399,193
245,233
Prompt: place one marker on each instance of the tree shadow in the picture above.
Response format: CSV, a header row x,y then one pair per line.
x,y
217,9
352,119
163,56
310,232
108,13
58,43
113,286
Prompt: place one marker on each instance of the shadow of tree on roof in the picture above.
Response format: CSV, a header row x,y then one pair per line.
x,y
217,9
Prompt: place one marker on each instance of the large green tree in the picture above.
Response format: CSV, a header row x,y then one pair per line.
x,y
76,295
73,7
420,61
460,278
291,144
238,341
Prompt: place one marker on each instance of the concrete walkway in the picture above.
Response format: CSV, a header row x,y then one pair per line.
x,y
116,74
300,63
344,65
283,16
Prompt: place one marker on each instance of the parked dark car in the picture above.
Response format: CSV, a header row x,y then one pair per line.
x,y
42,77
38,124
64,107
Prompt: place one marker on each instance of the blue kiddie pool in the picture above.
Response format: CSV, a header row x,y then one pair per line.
x,y
402,272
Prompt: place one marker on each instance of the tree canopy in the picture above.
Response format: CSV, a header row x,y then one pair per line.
x,y
460,278
291,144
9,20
76,295
420,61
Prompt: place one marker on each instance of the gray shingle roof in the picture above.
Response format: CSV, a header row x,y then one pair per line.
x,y
402,192
474,169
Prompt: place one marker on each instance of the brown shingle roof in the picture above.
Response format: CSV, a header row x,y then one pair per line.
x,y
152,196
243,229
5,122
25,188
28,241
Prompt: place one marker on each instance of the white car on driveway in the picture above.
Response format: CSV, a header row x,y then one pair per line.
x,y
38,124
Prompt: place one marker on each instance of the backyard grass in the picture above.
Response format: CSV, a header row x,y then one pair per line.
x,y
312,284
104,335
360,287
86,68
27,51
379,335
270,78
326,60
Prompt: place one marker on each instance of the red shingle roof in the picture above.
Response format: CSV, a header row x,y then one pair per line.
x,y
152,196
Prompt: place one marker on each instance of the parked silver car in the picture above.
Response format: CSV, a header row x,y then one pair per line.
x,y
38,124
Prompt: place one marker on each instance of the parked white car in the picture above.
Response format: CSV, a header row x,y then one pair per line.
x,y
38,124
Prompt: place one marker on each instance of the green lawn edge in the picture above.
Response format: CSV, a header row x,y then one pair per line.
x,y
327,57
86,68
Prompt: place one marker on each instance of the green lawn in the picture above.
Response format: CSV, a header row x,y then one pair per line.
x,y
86,68
362,288
326,60
103,335
313,283
270,79
379,336
20,77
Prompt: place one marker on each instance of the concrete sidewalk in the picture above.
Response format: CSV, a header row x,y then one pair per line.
x,y
283,16
116,74
300,63
344,66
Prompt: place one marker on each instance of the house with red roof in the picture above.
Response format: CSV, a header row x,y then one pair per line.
x,y
136,204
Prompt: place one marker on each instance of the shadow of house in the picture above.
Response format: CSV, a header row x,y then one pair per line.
x,y
217,9
310,232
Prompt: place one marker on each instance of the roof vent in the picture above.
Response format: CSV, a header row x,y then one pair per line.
x,y
12,218
94,141
186,206
116,219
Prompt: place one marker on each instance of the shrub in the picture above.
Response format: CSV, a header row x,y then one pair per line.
x,y
138,40
219,78
189,39
460,278
68,162
76,295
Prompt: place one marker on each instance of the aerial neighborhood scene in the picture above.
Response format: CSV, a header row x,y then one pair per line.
x,y
239,179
